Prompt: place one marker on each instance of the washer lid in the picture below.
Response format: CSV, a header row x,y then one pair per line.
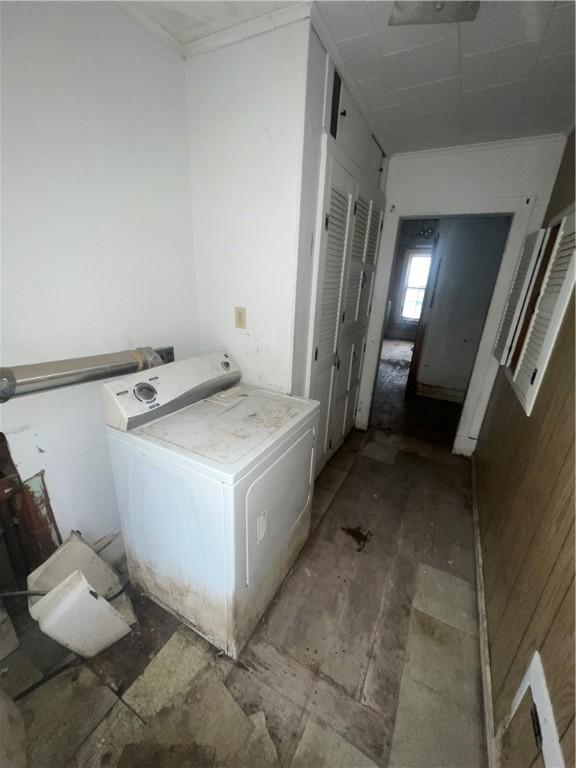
x,y
230,425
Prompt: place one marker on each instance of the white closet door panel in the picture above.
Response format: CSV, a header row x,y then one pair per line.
x,y
374,230
361,219
333,256
337,430
365,302
343,362
338,215
321,391
351,404
353,292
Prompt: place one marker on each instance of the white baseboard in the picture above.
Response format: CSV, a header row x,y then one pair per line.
x,y
491,746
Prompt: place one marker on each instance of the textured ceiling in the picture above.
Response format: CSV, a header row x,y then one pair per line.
x,y
191,21
509,73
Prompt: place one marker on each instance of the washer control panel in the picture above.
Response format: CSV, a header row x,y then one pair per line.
x,y
143,397
145,392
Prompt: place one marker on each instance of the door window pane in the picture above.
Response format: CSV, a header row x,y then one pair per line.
x,y
416,278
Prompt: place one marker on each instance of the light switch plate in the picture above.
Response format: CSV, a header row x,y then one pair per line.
x,y
240,317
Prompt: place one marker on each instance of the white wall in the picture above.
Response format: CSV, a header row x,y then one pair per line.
x,y
500,177
469,252
246,104
96,248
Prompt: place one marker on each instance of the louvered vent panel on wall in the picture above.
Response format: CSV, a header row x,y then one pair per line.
x,y
526,265
547,317
335,250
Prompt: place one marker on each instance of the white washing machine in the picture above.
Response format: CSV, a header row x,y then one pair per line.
x,y
214,483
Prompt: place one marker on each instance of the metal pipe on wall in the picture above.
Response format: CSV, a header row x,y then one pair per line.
x,y
25,379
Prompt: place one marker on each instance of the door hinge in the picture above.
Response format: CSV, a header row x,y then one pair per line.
x,y
381,224
326,221
536,727
316,354
330,444
355,206
343,315
533,377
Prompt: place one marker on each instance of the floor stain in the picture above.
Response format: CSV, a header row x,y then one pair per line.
x,y
360,536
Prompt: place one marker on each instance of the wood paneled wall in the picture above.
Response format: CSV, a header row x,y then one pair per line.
x,y
525,485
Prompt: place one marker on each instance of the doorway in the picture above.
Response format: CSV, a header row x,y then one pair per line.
x,y
442,280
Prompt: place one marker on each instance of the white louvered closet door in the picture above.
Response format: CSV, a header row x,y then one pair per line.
x,y
534,246
334,246
550,308
358,286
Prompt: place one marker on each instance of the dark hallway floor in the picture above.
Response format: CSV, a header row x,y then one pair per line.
x,y
367,657
432,420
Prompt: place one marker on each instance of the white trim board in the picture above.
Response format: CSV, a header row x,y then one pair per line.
x,y
134,10
251,28
484,642
485,365
535,679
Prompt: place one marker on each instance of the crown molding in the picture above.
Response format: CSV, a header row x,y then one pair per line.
x,y
252,28
133,10
481,146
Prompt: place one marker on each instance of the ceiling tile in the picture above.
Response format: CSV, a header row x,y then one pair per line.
x,y
379,92
426,63
498,99
554,73
559,37
392,119
505,65
441,121
345,19
401,38
442,94
499,24
475,135
190,21
546,122
363,57
425,139
561,100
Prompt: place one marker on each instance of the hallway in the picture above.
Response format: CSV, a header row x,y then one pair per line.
x,y
374,634
423,417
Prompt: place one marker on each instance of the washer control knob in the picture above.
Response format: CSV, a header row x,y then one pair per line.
x,y
145,392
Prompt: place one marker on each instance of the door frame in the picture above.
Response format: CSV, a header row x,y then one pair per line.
x,y
485,365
